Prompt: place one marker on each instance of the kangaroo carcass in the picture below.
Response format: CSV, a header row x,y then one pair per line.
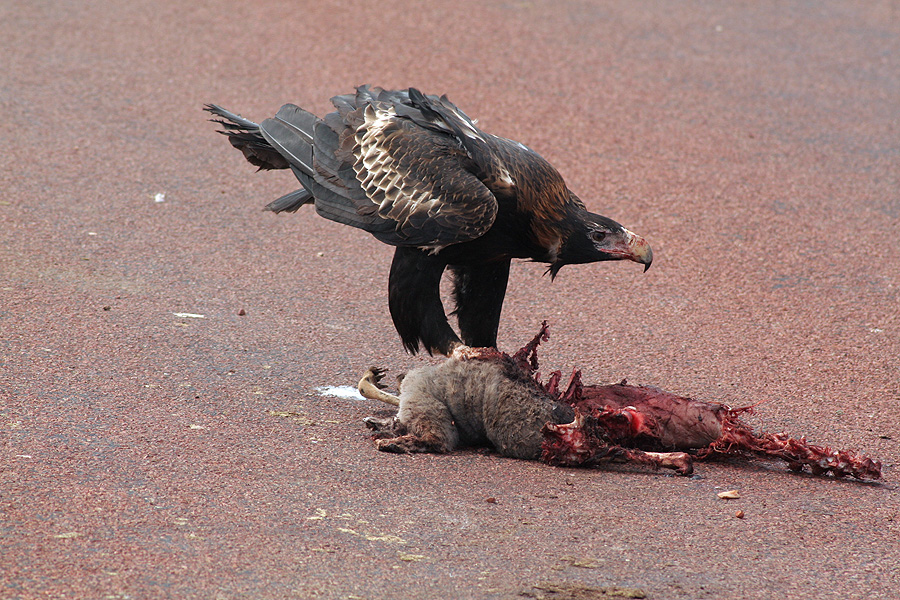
x,y
483,397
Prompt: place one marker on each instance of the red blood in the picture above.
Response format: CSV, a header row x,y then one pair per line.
x,y
611,419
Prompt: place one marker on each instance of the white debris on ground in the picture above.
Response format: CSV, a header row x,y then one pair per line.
x,y
340,391
189,316
159,197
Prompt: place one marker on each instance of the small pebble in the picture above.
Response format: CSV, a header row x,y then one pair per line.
x,y
242,312
491,500
739,514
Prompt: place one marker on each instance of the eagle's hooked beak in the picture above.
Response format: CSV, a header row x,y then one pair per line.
x,y
637,249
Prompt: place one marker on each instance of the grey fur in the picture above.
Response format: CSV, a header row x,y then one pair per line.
x,y
469,403
488,401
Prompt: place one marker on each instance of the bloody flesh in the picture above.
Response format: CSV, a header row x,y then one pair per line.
x,y
612,421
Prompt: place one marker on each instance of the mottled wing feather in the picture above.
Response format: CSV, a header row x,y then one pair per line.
x,y
418,179
413,170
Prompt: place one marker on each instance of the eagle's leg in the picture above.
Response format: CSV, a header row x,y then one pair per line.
x,y
479,291
414,297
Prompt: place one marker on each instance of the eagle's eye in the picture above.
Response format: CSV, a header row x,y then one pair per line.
x,y
598,236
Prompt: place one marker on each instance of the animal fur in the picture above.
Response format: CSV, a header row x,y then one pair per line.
x,y
488,400
463,402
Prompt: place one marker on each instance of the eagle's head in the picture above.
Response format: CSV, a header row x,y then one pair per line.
x,y
595,238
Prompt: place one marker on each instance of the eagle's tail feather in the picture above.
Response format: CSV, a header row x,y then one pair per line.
x,y
291,134
290,202
298,140
246,137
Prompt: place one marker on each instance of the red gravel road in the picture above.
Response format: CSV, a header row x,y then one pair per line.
x,y
146,455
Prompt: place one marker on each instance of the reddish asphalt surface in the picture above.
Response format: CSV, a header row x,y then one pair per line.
x,y
756,145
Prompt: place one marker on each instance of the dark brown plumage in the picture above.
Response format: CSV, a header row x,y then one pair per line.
x,y
417,173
